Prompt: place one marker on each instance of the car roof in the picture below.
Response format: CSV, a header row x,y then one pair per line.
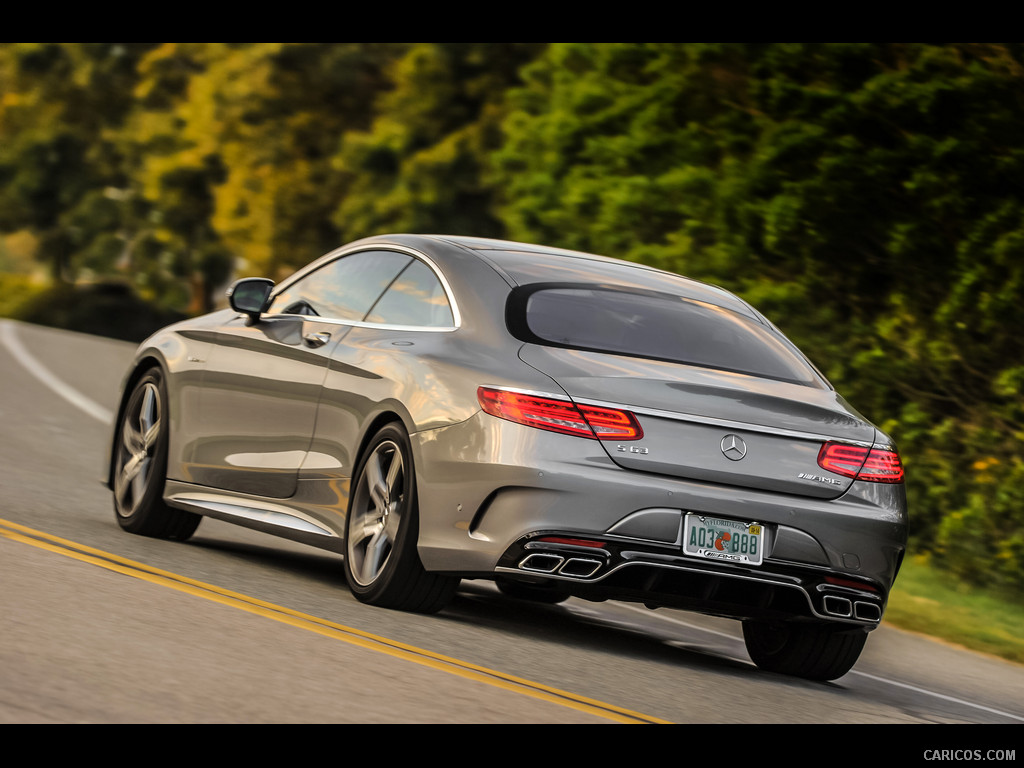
x,y
521,264
527,263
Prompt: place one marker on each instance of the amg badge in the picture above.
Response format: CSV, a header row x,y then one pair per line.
x,y
820,479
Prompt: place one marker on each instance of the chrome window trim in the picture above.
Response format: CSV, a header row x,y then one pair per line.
x,y
344,251
361,324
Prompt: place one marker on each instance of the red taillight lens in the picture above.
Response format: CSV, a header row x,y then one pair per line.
x,y
876,465
845,460
611,423
556,415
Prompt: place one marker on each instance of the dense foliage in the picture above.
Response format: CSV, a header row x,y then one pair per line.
x,y
867,197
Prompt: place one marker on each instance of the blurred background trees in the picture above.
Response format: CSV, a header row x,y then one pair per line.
x,y
867,197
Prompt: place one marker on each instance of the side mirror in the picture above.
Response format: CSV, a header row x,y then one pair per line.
x,y
250,296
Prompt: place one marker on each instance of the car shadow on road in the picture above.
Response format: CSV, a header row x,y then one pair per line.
x,y
585,626
301,561
478,605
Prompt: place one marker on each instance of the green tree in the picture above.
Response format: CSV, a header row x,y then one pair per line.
x,y
269,116
60,103
422,165
621,149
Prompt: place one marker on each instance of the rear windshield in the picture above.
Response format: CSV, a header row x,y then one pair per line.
x,y
657,326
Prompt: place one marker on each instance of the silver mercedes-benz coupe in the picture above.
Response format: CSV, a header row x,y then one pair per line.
x,y
440,408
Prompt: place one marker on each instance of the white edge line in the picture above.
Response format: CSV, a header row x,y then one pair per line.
x,y
942,696
885,680
33,366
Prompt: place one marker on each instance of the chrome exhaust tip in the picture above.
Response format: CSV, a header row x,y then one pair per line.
x,y
541,563
580,567
838,606
867,611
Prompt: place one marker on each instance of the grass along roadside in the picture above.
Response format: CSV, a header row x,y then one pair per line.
x,y
926,600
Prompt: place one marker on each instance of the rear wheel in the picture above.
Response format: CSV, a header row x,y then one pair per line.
x,y
812,651
382,565
140,465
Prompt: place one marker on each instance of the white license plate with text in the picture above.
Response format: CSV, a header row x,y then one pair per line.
x,y
714,538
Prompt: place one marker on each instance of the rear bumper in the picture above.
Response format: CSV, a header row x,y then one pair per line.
x,y
490,488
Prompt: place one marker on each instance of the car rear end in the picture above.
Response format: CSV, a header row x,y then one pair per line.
x,y
692,456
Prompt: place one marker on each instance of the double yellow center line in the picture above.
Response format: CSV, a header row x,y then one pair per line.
x,y
350,635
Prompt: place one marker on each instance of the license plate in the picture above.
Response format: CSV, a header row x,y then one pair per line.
x,y
713,538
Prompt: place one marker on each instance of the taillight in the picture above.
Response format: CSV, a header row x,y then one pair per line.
x,y
877,465
557,415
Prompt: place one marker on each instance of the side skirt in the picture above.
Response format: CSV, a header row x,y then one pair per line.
x,y
271,517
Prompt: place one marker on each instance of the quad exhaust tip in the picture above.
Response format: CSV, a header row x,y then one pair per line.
x,y
850,609
580,567
838,606
574,567
867,611
541,563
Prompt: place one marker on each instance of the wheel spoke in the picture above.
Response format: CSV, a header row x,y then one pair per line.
x,y
126,481
139,480
394,475
131,469
149,418
150,436
130,437
149,412
376,484
375,556
364,530
392,520
121,486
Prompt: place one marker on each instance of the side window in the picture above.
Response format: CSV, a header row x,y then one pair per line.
x,y
415,298
343,289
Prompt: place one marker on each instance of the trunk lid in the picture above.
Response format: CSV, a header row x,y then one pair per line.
x,y
710,425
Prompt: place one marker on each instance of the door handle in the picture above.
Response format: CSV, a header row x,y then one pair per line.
x,y
316,339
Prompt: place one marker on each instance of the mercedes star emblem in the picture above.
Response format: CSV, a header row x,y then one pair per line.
x,y
733,447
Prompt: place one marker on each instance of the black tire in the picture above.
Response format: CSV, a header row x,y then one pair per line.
x,y
540,592
140,465
811,651
382,565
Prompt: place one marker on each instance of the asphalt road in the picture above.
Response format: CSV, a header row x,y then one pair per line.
x,y
99,626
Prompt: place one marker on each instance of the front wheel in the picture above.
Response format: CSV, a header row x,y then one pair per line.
x,y
140,465
811,651
382,565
